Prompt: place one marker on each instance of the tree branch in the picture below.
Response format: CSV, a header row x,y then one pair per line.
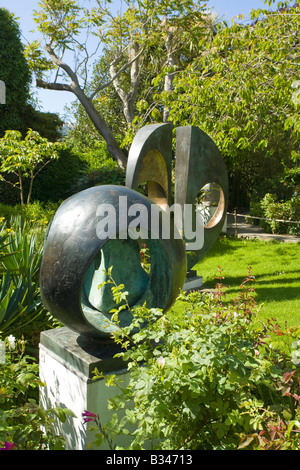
x,y
116,74
53,86
62,64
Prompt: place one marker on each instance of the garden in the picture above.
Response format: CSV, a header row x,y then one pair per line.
x,y
220,369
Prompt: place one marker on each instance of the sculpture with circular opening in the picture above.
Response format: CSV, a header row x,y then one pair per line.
x,y
90,233
116,226
199,163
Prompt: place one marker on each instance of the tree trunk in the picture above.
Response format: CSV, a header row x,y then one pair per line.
x,y
21,188
168,86
102,127
128,98
30,187
99,123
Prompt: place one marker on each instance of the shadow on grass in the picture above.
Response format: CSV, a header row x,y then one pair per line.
x,y
222,246
278,289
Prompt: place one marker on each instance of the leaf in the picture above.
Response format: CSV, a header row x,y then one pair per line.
x,y
26,378
62,413
246,441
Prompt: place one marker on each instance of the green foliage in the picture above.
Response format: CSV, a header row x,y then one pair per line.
x,y
76,169
278,198
24,158
240,92
221,381
99,169
24,425
55,183
15,73
48,125
271,208
37,216
20,303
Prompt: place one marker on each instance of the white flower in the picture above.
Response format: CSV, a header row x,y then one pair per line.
x,y
160,361
11,342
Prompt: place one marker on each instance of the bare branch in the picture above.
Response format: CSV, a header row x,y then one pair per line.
x,y
114,73
53,86
62,64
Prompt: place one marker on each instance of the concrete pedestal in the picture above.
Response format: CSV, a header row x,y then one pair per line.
x,y
192,281
67,362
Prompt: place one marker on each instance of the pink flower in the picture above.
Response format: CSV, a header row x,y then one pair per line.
x,y
8,446
88,416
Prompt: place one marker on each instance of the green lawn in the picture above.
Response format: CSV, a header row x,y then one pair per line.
x,y
275,265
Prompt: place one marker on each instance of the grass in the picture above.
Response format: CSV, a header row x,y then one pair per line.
x,y
275,265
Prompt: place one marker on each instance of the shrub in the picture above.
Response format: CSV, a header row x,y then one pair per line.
x,y
220,382
20,303
35,215
24,159
57,179
24,425
276,210
75,171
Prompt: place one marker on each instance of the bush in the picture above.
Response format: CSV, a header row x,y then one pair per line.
x,y
271,208
55,182
24,425
221,382
75,171
21,309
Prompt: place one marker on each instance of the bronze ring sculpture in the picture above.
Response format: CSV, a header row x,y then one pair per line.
x,y
198,162
77,257
76,261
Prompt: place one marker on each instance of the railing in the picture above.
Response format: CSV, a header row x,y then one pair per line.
x,y
234,213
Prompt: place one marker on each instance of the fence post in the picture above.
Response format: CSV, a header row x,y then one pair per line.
x,y
235,223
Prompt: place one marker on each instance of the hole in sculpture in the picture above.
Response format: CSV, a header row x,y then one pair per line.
x,y
145,255
155,192
122,256
210,203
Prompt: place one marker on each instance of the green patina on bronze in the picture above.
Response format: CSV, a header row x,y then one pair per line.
x,y
150,161
74,276
76,262
199,162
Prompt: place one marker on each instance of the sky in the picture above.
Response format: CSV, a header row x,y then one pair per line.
x,y
56,101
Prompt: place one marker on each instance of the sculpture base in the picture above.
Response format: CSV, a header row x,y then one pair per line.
x,y
67,362
192,281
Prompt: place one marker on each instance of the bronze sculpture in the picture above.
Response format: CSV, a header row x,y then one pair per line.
x,y
91,232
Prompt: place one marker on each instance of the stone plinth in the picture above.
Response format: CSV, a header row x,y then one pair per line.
x,y
67,362
192,282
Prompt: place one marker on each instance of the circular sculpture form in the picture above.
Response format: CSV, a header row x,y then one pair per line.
x,y
150,161
92,231
199,163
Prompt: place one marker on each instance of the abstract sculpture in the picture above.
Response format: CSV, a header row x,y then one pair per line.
x,y
104,227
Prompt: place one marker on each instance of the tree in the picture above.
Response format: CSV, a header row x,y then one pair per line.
x,y
15,73
48,125
240,92
24,158
127,40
